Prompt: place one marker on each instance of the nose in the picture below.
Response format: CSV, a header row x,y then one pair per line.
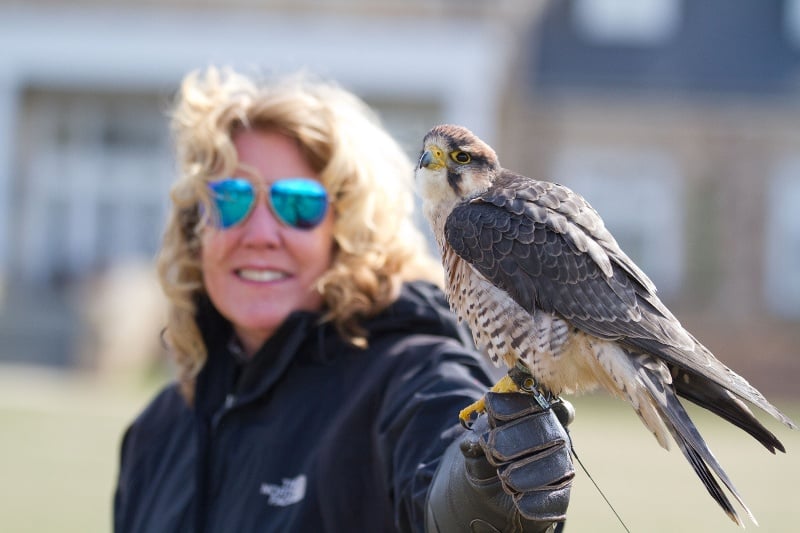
x,y
262,228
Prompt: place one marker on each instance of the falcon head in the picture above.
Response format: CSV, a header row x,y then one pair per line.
x,y
454,165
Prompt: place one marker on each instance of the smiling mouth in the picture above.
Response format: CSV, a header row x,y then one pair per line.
x,y
250,274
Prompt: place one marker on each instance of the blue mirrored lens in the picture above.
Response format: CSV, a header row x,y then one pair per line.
x,y
299,202
233,198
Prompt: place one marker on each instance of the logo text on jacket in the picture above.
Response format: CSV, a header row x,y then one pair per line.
x,y
291,490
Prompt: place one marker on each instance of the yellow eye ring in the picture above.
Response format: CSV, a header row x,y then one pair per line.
x,y
460,157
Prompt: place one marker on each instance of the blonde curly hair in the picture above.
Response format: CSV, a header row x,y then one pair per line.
x,y
366,173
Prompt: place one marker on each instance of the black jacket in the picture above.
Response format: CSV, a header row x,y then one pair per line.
x,y
311,434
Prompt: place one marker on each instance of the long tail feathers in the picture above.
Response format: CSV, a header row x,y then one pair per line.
x,y
692,444
715,371
721,402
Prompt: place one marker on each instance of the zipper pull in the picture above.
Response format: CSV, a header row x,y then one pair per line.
x,y
230,400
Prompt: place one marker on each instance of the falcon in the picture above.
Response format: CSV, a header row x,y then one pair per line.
x,y
547,291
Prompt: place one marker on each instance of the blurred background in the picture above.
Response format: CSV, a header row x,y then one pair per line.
x,y
677,119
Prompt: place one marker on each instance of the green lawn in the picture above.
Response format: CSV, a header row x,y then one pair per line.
x,y
60,436
58,451
657,491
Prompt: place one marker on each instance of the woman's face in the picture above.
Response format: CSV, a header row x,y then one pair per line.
x,y
259,271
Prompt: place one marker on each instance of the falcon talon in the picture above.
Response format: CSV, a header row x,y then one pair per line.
x,y
468,416
471,412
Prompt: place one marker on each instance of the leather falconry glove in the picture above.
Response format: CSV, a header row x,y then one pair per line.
x,y
511,473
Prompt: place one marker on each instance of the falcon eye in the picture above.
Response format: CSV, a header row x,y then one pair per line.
x,y
460,157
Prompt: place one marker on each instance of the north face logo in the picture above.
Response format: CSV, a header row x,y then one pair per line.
x,y
288,492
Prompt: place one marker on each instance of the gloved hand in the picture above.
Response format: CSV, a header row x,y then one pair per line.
x,y
511,473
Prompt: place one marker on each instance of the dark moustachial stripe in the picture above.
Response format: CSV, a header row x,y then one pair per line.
x,y
454,180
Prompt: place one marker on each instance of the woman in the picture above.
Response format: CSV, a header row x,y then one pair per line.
x,y
320,371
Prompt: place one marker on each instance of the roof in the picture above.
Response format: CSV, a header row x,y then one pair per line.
x,y
739,46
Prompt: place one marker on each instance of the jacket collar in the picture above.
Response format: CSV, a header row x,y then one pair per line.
x,y
421,308
224,373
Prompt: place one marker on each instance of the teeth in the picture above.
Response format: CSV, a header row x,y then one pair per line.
x,y
260,275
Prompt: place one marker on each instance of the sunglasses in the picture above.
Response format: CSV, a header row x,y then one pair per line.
x,y
297,202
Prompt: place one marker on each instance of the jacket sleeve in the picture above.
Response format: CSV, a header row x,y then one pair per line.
x,y
154,456
434,379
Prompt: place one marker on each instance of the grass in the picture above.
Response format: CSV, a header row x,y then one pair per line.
x,y
59,447
657,491
61,432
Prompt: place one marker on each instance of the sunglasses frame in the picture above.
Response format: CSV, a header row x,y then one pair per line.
x,y
257,188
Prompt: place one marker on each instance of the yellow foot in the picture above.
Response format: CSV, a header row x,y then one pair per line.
x,y
471,412
506,384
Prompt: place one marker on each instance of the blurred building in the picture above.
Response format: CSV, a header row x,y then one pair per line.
x,y
677,119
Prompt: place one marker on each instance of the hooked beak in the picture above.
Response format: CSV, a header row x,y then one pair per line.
x,y
432,158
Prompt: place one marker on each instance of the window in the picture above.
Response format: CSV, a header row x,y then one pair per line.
x,y
782,239
632,22
94,171
638,194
